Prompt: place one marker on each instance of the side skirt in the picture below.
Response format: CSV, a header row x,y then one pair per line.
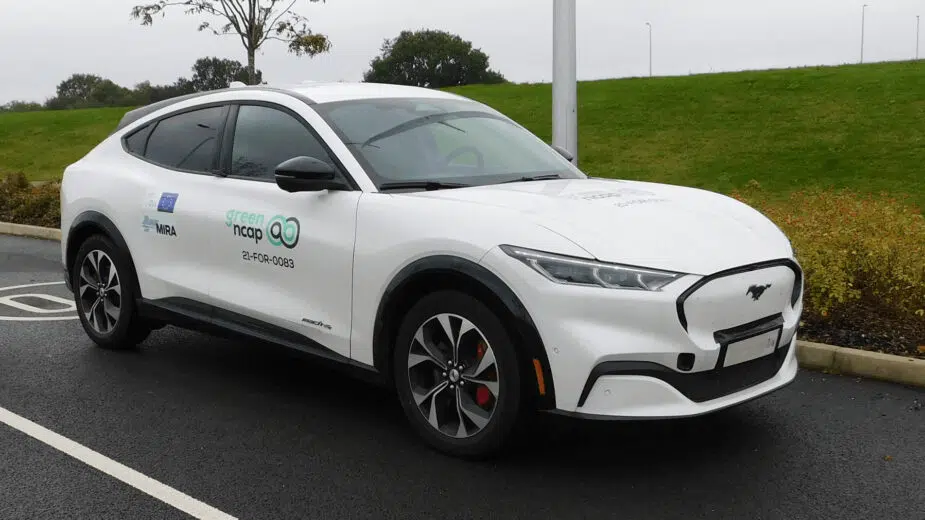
x,y
193,315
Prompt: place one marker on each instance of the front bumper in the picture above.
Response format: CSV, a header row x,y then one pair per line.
x,y
702,344
650,391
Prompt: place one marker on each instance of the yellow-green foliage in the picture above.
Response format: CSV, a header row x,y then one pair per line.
x,y
24,203
862,254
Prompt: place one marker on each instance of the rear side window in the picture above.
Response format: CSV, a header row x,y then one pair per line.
x,y
186,141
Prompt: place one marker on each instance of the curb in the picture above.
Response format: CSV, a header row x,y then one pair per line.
x,y
23,230
861,363
813,356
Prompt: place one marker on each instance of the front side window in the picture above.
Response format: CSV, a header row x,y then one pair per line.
x,y
401,140
186,141
265,137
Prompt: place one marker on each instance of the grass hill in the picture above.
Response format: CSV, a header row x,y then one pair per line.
x,y
42,144
857,126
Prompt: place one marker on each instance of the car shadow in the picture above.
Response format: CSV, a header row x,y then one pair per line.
x,y
247,423
244,368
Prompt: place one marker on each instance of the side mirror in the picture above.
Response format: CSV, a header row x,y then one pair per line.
x,y
307,174
563,152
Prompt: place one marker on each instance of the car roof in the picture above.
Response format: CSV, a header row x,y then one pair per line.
x,y
327,92
309,92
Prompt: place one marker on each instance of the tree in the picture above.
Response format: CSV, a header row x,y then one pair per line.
x,y
21,106
145,93
78,87
253,21
88,90
216,73
430,58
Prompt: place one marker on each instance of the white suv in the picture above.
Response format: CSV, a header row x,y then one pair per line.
x,y
429,241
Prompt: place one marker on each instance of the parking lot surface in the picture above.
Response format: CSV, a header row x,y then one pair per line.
x,y
258,432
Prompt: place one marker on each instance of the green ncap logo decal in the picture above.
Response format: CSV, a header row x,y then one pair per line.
x,y
283,231
279,230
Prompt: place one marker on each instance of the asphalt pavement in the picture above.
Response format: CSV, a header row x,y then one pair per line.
x,y
259,432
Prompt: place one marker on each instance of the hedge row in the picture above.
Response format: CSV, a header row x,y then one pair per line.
x,y
23,203
864,258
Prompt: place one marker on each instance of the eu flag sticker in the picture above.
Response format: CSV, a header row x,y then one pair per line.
x,y
167,202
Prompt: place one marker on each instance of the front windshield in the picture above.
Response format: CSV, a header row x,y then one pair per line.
x,y
443,140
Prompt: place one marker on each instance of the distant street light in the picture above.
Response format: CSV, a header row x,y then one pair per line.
x,y
650,48
862,31
916,36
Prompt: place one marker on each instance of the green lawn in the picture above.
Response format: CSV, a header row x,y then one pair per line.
x,y
42,144
858,126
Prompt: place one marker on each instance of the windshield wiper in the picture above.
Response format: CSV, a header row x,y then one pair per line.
x,y
535,178
427,185
429,119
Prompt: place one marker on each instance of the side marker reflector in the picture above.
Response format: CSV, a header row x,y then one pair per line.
x,y
540,382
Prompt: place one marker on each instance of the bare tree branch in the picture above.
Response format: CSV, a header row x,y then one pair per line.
x,y
236,8
233,22
232,18
254,22
269,26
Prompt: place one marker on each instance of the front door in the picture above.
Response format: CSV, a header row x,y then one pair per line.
x,y
281,259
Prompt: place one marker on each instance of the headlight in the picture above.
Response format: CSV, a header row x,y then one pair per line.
x,y
576,271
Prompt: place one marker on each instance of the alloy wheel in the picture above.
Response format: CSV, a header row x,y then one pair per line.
x,y
454,376
100,292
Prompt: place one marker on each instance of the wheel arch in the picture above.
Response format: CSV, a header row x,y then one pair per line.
x,y
90,223
438,272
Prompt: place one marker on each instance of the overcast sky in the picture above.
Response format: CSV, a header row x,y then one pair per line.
x,y
41,43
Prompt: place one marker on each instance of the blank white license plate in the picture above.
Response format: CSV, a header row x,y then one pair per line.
x,y
751,348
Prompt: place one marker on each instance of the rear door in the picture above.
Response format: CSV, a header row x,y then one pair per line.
x,y
176,160
283,260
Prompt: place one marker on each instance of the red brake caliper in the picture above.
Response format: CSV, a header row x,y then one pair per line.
x,y
482,395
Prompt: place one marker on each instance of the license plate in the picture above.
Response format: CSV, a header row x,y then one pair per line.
x,y
752,348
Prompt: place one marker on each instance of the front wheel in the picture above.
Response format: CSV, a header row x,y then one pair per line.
x,y
457,375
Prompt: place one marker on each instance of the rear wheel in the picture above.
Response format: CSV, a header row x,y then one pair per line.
x,y
457,375
104,295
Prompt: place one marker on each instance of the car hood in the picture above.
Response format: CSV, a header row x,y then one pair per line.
x,y
639,223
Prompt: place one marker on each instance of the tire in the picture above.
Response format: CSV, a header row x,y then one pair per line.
x,y
127,329
501,392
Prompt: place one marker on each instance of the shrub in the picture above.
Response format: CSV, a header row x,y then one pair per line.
x,y
863,255
23,203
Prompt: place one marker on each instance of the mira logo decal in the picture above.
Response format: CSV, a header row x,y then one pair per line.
x,y
755,291
150,224
279,230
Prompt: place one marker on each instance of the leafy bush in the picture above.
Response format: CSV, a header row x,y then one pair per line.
x,y
23,203
864,257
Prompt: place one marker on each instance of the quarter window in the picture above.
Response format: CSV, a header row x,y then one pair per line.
x,y
265,137
186,141
135,143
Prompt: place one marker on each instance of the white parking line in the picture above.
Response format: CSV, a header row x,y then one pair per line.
x,y
143,483
13,301
57,318
13,287
46,296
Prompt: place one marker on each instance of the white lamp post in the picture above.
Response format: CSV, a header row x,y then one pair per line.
x,y
564,78
863,9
